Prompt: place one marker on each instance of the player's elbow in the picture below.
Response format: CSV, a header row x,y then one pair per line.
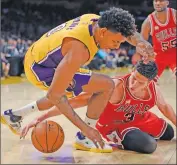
x,y
54,97
165,110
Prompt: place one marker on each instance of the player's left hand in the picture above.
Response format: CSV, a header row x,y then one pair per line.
x,y
145,49
27,128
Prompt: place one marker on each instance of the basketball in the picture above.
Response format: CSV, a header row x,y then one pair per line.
x,y
47,136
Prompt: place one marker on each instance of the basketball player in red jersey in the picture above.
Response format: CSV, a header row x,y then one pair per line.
x,y
161,25
126,121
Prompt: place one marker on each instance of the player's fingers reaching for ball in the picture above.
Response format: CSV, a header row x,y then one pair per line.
x,y
24,131
95,142
27,128
99,140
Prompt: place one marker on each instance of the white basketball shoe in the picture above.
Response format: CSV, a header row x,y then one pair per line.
x,y
85,144
12,121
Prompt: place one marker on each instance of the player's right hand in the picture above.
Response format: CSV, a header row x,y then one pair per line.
x,y
94,135
145,49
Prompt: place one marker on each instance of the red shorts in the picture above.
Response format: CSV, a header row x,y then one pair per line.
x,y
166,59
150,124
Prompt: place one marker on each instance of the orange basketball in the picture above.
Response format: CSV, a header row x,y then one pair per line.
x,y
47,136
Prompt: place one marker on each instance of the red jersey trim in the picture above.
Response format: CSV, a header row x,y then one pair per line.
x,y
151,25
124,96
158,22
154,91
173,11
164,127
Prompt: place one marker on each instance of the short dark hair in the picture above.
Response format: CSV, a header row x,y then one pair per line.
x,y
148,70
118,20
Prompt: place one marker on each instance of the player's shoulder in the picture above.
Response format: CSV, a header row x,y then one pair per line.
x,y
172,9
155,86
90,15
73,44
118,81
148,18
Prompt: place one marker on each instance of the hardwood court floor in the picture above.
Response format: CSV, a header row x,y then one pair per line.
x,y
14,150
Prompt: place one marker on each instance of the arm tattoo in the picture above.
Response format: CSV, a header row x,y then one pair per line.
x,y
135,39
63,105
64,99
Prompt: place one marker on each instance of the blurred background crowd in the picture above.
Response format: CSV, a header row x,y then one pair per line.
x,y
24,21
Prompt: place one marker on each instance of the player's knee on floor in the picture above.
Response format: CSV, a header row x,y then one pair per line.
x,y
138,141
150,145
168,134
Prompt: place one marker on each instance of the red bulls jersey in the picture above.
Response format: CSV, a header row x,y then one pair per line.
x,y
130,109
163,35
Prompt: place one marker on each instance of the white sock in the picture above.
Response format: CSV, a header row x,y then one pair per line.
x,y
90,122
26,110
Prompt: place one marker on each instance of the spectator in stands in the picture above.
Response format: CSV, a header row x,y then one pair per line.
x,y
10,49
123,60
22,46
109,60
5,66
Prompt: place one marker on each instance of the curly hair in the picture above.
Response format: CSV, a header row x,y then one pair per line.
x,y
118,20
148,70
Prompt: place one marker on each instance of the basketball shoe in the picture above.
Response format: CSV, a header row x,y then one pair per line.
x,y
85,144
12,121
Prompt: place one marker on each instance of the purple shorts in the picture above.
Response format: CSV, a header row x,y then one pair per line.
x,y
80,78
44,72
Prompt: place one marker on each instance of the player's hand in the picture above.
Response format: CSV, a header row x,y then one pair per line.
x,y
27,128
145,49
93,135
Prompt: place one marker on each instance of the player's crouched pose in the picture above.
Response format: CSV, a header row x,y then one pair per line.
x,y
52,63
126,121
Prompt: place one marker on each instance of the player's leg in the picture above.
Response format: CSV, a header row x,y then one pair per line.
x,y
161,67
101,88
139,141
172,64
128,137
168,134
157,127
13,118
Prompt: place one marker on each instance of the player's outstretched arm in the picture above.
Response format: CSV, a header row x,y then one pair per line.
x,y
164,107
76,55
76,102
143,47
145,33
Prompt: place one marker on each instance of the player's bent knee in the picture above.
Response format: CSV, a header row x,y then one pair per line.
x,y
150,146
138,141
111,84
106,83
168,134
